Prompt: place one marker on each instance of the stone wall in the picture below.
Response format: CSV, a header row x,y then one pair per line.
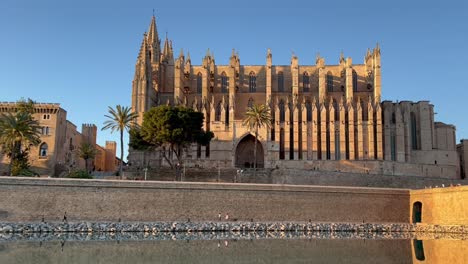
x,y
442,205
85,200
307,176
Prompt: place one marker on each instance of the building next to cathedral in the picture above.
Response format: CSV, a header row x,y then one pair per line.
x,y
325,116
60,140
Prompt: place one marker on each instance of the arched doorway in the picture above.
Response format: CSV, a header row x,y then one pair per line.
x,y
245,153
417,212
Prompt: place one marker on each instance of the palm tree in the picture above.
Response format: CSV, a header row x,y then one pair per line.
x,y
121,118
17,131
257,116
86,151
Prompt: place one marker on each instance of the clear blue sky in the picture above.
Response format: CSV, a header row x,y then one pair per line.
x,y
81,54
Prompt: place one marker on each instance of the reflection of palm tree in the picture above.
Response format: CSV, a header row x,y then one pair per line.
x,y
16,131
257,116
121,118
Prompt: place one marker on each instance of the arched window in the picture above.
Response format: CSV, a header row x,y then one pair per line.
x,y
218,112
250,103
45,130
354,81
43,150
252,82
329,82
224,83
71,144
305,82
280,82
282,111
199,83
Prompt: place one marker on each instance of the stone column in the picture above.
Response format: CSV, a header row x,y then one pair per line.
x,y
314,131
351,128
323,130
287,126
379,134
305,135
332,129
342,131
359,132
370,131
296,132
400,134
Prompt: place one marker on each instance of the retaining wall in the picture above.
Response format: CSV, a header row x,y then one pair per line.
x,y
30,199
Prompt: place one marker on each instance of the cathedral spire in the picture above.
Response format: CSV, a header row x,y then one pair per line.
x,y
153,41
153,32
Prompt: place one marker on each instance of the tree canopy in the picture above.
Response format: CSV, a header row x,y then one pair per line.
x,y
174,128
18,132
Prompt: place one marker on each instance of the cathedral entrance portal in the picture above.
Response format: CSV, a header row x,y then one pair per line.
x,y
245,153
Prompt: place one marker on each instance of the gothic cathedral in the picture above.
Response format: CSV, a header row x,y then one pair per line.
x,y
324,117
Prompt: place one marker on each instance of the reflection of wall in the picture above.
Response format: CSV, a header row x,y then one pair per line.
x,y
442,251
443,205
196,251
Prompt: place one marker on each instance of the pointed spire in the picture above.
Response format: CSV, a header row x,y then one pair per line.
x,y
208,52
181,54
342,59
153,31
188,56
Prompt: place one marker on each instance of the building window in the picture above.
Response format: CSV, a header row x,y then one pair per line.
x,y
252,82
250,103
224,83
218,112
43,150
45,131
199,83
282,111
414,132
46,116
329,82
280,82
355,81
305,82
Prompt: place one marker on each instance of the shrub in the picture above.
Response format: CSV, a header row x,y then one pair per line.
x,y
80,174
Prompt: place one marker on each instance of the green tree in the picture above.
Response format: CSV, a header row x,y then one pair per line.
x,y
174,128
18,132
87,152
256,117
120,119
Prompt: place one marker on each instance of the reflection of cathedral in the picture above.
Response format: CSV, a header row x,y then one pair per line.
x,y
326,117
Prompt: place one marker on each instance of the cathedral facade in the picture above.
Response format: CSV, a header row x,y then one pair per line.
x,y
324,116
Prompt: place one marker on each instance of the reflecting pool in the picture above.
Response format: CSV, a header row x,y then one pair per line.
x,y
233,248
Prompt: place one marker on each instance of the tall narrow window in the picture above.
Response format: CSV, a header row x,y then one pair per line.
x,y
393,146
329,82
252,82
199,83
282,111
218,112
305,82
43,150
414,132
280,82
354,81
281,147
224,83
309,111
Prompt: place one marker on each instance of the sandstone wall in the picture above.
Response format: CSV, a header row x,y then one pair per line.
x,y
34,199
442,206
